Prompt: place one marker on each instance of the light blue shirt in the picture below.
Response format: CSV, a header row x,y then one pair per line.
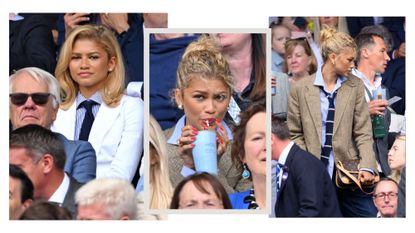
x,y
177,134
324,103
80,112
277,62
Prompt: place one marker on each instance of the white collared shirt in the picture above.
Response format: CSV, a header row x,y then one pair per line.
x,y
377,83
59,195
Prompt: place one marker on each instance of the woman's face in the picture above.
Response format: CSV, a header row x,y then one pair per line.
x,y
192,198
280,35
203,99
255,144
344,62
89,66
397,155
298,61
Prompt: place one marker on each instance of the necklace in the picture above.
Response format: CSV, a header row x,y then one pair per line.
x,y
250,199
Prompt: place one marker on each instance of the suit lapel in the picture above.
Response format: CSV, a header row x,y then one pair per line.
x,y
103,122
286,167
342,101
66,120
312,97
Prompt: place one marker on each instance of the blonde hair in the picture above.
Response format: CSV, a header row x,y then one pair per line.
x,y
160,186
341,27
203,58
114,86
332,41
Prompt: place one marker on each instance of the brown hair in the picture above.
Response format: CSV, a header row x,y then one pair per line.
x,y
43,210
200,180
289,49
239,134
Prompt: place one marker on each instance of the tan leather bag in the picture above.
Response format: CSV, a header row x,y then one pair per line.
x,y
347,176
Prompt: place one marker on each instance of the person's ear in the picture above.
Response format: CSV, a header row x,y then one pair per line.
x,y
111,64
47,163
365,53
332,57
178,97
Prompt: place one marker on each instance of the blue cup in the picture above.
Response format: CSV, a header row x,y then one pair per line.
x,y
204,152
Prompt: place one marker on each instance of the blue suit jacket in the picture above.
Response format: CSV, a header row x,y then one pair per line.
x,y
308,190
81,161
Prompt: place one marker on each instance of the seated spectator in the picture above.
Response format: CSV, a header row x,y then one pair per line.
x,y
385,197
106,199
200,191
299,59
397,163
248,150
20,192
43,210
94,107
203,90
280,35
245,55
34,99
40,154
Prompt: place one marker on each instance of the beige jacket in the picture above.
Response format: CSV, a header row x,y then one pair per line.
x,y
352,130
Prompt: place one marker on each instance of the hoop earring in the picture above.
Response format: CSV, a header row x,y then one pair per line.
x,y
245,174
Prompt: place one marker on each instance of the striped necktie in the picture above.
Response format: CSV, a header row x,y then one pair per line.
x,y
327,147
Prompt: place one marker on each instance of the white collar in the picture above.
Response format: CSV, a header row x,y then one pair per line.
x,y
284,153
60,193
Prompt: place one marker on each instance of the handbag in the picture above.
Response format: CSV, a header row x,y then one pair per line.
x,y
347,176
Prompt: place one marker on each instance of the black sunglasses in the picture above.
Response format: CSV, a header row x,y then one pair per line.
x,y
38,98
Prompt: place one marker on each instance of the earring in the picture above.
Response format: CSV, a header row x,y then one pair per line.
x,y
180,107
245,174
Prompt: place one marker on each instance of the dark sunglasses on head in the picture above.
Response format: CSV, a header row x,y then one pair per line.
x,y
38,98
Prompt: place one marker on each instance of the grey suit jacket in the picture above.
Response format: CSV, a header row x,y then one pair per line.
x,y
81,161
69,201
352,130
228,175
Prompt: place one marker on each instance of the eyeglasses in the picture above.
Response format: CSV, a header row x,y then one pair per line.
x,y
381,196
38,98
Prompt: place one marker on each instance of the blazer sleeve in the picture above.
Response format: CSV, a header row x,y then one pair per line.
x,y
294,117
362,129
130,147
84,163
310,187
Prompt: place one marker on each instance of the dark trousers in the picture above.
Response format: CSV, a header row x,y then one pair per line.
x,y
355,203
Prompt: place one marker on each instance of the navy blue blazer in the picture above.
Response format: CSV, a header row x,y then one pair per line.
x,y
308,190
81,161
31,43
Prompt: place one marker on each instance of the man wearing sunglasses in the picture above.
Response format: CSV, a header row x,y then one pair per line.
x,y
34,99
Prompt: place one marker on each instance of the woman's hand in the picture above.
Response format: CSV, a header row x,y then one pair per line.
x,y
221,139
186,145
366,177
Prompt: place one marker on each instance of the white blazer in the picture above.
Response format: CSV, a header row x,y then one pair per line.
x,y
116,135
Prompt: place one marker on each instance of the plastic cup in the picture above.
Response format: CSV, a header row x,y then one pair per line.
x,y
204,152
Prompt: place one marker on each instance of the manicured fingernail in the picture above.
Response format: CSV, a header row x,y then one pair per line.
x,y
192,145
192,138
195,132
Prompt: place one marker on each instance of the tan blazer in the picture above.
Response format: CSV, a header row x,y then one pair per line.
x,y
229,175
352,130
